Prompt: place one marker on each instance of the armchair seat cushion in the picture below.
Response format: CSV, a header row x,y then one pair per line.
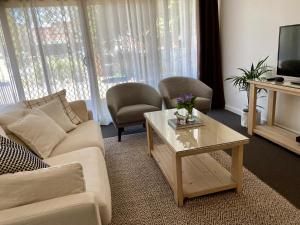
x,y
201,104
134,113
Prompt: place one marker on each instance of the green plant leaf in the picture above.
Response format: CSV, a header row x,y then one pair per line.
x,y
255,73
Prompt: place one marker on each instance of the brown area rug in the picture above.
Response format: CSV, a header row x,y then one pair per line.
x,y
141,195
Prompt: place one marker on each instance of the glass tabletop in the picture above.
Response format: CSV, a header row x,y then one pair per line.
x,y
211,134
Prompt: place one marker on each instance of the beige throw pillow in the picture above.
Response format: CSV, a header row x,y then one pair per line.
x,y
11,117
39,132
61,96
54,109
14,138
39,185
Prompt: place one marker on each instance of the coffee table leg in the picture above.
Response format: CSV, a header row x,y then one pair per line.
x,y
149,137
237,166
177,168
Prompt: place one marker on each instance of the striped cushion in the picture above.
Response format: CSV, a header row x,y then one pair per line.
x,y
16,158
61,95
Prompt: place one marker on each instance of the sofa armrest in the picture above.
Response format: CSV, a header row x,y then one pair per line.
x,y
80,108
90,115
27,187
78,209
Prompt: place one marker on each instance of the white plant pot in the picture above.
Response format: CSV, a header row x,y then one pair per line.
x,y
244,118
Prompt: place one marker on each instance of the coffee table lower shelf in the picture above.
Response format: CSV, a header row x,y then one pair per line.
x,y
201,174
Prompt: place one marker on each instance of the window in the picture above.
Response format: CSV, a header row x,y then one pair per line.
x,y
49,50
8,93
88,46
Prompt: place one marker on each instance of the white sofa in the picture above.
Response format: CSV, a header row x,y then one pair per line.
x,y
93,207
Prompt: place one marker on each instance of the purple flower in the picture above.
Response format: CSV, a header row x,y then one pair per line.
x,y
186,101
188,97
180,100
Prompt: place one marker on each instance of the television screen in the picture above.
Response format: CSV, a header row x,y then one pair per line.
x,y
288,63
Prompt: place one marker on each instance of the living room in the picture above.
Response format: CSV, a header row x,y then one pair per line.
x,y
149,112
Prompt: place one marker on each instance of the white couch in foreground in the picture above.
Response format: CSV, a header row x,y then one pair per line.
x,y
93,207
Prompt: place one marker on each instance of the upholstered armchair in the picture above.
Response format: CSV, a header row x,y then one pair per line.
x,y
128,102
173,87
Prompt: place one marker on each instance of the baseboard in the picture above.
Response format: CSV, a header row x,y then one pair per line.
x,y
233,109
239,112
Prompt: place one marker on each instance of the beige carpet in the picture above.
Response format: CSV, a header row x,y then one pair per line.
x,y
141,195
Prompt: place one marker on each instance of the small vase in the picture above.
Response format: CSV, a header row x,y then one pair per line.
x,y
190,118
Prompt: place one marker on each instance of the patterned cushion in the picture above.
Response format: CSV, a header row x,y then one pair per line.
x,y
2,132
16,158
61,95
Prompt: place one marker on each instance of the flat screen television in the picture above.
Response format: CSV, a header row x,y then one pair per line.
x,y
288,63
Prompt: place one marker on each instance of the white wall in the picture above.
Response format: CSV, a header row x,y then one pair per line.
x,y
249,32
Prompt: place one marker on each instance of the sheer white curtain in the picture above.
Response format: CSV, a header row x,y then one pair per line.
x,y
48,47
89,46
177,37
142,41
8,91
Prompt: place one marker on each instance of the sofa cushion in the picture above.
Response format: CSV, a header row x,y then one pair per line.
x,y
61,96
134,113
95,175
79,107
16,158
54,109
87,134
39,132
10,114
10,117
34,186
77,209
2,132
14,138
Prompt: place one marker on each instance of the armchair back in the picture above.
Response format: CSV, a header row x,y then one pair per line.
x,y
173,87
131,94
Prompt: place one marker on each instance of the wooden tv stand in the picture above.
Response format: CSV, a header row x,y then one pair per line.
x,y
270,131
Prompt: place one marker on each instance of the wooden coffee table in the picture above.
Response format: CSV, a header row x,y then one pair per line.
x,y
183,155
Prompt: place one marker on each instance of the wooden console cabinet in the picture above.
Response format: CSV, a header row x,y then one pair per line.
x,y
270,131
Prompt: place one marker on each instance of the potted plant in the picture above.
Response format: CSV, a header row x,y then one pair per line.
x,y
241,81
187,101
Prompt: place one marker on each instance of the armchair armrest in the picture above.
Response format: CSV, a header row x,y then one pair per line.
x,y
153,97
165,94
77,209
113,104
202,90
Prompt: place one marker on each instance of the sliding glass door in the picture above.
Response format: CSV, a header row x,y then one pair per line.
x,y
142,40
8,91
86,47
49,48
